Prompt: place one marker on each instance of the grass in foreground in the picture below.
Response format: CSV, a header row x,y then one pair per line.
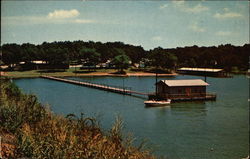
x,y
28,129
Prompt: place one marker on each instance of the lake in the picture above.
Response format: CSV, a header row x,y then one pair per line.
x,y
188,130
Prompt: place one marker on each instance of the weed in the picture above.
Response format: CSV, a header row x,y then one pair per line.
x,y
43,135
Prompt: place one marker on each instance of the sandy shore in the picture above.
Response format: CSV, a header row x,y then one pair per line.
x,y
70,74
128,74
2,74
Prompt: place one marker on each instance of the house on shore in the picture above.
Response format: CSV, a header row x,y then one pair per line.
x,y
179,90
203,71
39,64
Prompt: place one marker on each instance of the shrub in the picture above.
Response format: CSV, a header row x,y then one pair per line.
x,y
41,134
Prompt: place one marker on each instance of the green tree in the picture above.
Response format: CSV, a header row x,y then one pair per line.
x,y
57,56
171,60
121,62
29,52
162,59
11,54
90,56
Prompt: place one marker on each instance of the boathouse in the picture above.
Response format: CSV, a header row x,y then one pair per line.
x,y
203,71
192,89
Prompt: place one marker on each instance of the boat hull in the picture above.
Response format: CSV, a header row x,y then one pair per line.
x,y
151,103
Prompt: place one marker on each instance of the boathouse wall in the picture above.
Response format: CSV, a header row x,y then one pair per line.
x,y
165,91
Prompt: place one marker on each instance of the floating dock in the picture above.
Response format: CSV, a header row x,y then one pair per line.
x,y
97,86
206,96
203,72
184,97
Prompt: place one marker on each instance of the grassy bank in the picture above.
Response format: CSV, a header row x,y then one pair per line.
x,y
37,73
71,72
28,129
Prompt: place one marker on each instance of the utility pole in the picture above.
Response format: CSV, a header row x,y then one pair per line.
x,y
123,85
75,70
156,79
1,74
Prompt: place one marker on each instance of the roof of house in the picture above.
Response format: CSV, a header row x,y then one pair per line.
x,y
178,83
200,69
38,62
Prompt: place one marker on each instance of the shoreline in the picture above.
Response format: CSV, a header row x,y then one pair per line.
x,y
95,74
127,75
32,74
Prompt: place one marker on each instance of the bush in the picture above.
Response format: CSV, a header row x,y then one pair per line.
x,y
41,134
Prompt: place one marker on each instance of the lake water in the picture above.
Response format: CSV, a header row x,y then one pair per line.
x,y
190,130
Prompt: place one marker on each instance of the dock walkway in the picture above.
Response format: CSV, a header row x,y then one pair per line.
x,y
97,86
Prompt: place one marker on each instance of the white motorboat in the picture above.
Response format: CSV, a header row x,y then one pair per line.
x,y
155,103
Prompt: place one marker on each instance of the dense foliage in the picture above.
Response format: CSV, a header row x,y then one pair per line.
x,y
224,56
122,61
28,129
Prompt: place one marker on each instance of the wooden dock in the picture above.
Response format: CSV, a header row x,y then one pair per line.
x,y
185,97
98,86
210,72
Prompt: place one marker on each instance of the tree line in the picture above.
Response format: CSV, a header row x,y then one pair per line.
x,y
226,56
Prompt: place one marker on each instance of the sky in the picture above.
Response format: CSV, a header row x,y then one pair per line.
x,y
150,24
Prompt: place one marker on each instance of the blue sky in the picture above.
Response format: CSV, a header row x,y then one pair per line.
x,y
168,24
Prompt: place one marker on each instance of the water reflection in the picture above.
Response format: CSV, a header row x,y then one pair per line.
x,y
197,108
163,111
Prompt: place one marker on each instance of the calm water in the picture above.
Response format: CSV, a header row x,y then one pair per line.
x,y
191,130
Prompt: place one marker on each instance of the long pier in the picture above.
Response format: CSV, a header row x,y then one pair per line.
x,y
97,86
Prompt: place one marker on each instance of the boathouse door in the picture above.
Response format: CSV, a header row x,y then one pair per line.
x,y
188,91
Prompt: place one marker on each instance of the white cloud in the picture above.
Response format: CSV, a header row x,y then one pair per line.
x,y
163,6
55,17
23,20
156,38
33,20
177,3
226,9
196,9
194,27
183,7
223,33
61,14
83,21
227,15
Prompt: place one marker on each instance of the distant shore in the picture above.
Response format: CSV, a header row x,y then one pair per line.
x,y
35,74
144,74
86,73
